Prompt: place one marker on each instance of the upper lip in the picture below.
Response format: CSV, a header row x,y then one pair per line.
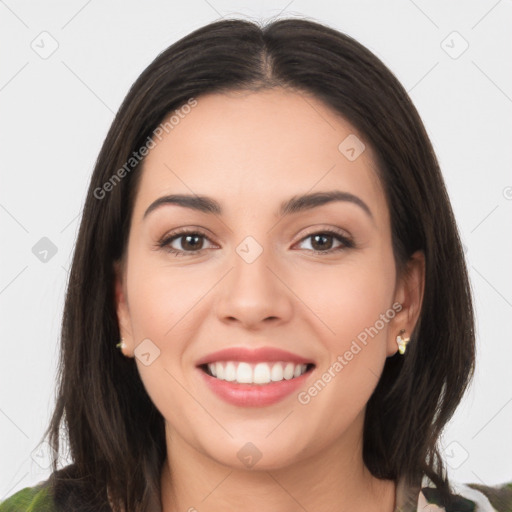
x,y
262,354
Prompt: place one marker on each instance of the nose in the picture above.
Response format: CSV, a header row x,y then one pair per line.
x,y
254,294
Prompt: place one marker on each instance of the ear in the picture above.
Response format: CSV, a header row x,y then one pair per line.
x,y
122,310
408,300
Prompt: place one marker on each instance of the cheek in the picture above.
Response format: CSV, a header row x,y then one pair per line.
x,y
161,297
160,302
354,306
349,298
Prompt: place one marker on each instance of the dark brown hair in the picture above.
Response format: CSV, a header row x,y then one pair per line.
x,y
115,433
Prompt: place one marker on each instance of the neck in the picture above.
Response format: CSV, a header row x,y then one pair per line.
x,y
332,480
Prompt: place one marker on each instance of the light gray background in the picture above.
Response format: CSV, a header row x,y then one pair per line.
x,y
55,114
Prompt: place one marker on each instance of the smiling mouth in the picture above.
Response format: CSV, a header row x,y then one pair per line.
x,y
241,372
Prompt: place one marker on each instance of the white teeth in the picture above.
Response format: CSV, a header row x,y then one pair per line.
x,y
259,373
219,370
288,371
230,372
243,373
277,372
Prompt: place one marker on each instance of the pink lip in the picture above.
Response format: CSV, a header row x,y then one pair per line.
x,y
258,355
253,395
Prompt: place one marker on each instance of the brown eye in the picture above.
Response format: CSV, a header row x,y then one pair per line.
x,y
191,242
184,242
324,242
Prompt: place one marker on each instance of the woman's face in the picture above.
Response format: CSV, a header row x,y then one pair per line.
x,y
248,278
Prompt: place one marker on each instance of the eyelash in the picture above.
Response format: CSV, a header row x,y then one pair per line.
x,y
164,243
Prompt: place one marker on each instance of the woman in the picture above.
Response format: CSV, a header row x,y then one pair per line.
x,y
268,234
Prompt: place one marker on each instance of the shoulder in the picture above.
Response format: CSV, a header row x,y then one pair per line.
x,y
30,499
469,497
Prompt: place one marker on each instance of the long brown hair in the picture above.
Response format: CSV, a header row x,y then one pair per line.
x,y
115,433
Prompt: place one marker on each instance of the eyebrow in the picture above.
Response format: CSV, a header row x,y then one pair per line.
x,y
295,204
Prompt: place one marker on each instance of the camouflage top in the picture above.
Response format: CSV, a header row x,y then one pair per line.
x,y
472,498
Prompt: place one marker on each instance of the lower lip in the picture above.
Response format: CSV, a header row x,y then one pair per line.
x,y
253,395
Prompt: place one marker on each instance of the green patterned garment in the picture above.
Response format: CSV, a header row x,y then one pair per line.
x,y
30,499
472,498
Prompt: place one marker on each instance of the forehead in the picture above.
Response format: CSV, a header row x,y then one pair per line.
x,y
242,146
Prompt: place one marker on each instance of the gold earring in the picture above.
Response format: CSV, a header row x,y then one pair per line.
x,y
121,345
401,342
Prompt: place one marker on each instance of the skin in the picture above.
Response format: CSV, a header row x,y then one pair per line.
x,y
251,151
